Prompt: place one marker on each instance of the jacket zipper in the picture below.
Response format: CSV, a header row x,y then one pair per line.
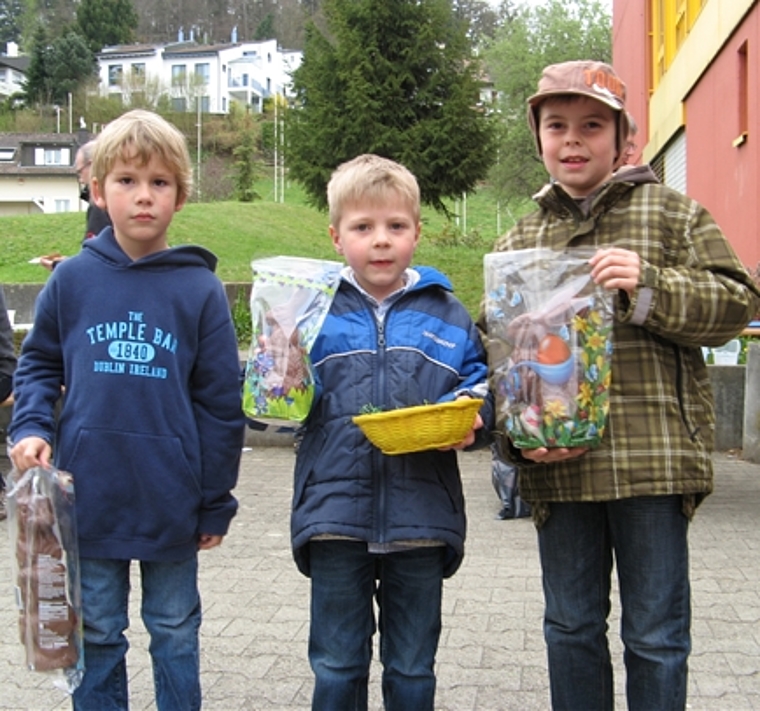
x,y
379,460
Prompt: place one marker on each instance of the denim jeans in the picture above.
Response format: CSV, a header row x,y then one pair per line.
x,y
648,537
171,611
407,586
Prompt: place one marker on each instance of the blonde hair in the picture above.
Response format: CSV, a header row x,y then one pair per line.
x,y
139,135
373,179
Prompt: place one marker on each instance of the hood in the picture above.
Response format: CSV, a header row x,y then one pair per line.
x,y
636,174
553,196
430,276
106,249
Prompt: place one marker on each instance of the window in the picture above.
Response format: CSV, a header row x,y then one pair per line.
x,y
115,73
179,104
670,23
6,154
179,72
742,75
138,70
203,72
52,156
205,104
62,206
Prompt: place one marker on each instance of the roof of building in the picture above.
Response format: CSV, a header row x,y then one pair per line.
x,y
14,141
20,64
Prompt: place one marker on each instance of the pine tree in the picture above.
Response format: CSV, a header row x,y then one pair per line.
x,y
11,12
107,22
396,78
38,87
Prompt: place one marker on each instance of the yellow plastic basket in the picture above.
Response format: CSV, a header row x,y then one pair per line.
x,y
415,429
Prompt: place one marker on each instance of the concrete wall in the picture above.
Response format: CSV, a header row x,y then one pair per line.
x,y
21,297
728,383
751,424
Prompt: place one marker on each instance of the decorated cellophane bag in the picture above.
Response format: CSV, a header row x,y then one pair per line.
x,y
549,347
45,567
290,299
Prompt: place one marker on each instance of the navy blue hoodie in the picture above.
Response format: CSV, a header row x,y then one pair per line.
x,y
151,425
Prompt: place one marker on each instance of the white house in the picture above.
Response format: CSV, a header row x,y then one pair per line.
x,y
209,77
12,71
37,173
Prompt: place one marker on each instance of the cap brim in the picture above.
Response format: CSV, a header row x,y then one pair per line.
x,y
612,103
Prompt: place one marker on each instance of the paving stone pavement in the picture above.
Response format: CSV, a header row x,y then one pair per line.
x,y
491,655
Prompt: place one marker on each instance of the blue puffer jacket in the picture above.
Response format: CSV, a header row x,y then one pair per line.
x,y
427,350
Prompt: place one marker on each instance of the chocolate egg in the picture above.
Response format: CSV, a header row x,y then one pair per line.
x,y
552,350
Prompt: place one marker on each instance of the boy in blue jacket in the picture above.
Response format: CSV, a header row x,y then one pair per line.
x,y
366,526
151,424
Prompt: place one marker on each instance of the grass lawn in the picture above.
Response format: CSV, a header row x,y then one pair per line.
x,y
239,232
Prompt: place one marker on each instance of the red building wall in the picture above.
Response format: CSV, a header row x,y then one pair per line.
x,y
630,57
724,178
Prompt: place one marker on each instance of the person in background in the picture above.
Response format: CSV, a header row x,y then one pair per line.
x,y
678,285
365,526
629,153
151,426
97,218
7,369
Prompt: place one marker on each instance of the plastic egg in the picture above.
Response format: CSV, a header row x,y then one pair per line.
x,y
552,350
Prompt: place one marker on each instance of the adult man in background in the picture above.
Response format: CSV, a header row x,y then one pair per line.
x,y
97,219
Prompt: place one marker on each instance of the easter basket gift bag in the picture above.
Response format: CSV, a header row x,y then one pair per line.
x,y
290,298
549,347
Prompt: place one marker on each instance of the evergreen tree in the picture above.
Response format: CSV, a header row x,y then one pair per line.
x,y
38,87
107,22
396,78
11,12
265,30
57,67
245,164
71,64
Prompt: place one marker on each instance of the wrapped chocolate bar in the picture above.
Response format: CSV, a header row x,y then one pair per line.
x,y
549,347
290,299
42,529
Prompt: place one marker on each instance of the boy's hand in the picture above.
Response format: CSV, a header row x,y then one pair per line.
x,y
470,438
206,541
31,452
51,261
545,455
616,268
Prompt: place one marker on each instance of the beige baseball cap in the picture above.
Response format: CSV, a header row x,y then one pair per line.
x,y
596,80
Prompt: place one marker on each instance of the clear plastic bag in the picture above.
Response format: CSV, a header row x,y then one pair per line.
x,y
45,566
290,299
549,347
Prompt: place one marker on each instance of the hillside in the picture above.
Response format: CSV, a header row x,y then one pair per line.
x,y
239,232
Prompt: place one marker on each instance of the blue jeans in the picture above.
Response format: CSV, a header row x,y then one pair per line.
x,y
648,537
171,611
407,586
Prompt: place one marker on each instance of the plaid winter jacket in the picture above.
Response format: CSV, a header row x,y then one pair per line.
x,y
693,292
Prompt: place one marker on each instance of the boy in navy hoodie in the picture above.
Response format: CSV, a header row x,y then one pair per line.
x,y
151,425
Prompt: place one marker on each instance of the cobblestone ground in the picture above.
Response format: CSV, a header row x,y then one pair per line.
x,y
491,655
